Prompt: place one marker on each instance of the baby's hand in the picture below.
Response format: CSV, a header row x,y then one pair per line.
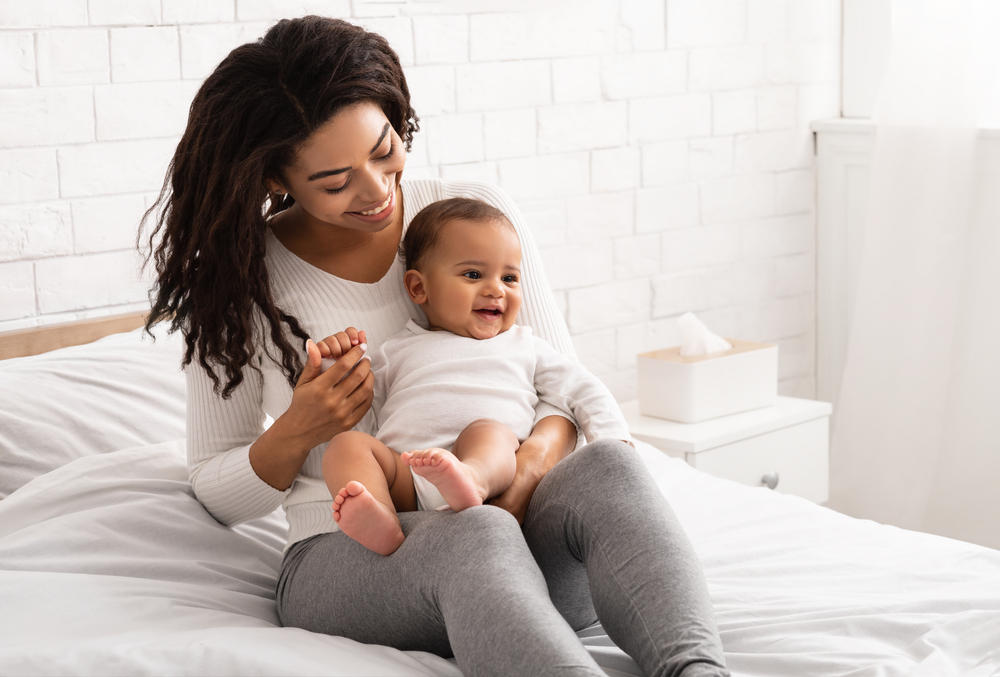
x,y
333,347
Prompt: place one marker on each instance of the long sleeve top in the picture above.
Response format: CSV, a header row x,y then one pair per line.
x,y
221,431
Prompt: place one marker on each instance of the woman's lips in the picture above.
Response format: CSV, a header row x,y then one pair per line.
x,y
373,212
380,212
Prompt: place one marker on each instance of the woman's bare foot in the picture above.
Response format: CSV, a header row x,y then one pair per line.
x,y
459,483
363,518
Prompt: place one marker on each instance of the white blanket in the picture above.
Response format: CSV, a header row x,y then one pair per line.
x,y
109,565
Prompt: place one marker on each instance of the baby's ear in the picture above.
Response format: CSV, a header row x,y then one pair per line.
x,y
413,280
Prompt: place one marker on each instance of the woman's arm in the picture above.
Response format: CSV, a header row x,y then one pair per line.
x,y
552,439
322,406
238,470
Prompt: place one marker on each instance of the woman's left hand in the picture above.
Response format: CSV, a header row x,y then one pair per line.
x,y
552,439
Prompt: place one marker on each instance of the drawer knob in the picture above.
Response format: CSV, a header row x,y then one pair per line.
x,y
770,480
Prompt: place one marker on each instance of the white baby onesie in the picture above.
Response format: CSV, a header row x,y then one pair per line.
x,y
429,385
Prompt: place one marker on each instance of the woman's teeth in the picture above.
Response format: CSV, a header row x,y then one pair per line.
x,y
380,208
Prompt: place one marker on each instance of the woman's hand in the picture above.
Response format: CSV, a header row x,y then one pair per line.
x,y
333,347
323,405
552,440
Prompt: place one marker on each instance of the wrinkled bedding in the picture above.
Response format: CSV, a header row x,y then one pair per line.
x,y
110,566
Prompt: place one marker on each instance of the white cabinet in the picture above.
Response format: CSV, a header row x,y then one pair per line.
x,y
785,446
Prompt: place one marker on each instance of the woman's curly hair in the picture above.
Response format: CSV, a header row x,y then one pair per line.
x,y
245,124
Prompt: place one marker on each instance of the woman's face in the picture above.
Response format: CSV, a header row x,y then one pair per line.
x,y
346,174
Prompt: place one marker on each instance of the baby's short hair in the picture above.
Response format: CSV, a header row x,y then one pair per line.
x,y
422,235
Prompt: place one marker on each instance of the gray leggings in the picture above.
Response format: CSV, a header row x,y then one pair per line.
x,y
599,543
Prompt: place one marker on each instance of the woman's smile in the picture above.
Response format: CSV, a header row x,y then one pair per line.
x,y
381,211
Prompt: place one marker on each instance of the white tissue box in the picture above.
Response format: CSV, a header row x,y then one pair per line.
x,y
700,387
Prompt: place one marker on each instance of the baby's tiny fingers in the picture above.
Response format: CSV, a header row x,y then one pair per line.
x,y
324,349
344,341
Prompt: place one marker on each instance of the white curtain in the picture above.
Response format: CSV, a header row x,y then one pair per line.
x,y
916,439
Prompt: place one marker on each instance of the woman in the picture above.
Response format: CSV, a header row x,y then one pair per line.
x,y
313,122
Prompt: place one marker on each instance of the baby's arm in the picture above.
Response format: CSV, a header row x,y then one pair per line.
x,y
567,384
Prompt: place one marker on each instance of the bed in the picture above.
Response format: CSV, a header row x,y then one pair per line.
x,y
110,566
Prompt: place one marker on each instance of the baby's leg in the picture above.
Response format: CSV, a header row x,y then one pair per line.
x,y
368,483
480,465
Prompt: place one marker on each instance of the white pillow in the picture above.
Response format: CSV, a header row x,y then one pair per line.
x,y
122,391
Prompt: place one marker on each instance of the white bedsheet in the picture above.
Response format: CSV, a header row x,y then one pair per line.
x,y
121,391
109,565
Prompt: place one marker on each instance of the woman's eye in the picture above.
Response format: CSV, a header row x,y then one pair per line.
x,y
392,149
472,274
334,191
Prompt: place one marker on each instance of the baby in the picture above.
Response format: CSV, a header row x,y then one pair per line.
x,y
458,397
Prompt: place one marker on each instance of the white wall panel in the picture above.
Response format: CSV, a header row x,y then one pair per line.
x,y
659,149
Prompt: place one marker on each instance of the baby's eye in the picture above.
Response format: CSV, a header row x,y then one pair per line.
x,y
472,274
510,279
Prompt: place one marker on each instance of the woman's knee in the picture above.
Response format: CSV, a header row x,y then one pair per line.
x,y
483,538
486,551
485,527
589,473
608,458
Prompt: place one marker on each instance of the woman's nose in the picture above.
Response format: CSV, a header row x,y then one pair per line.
x,y
373,185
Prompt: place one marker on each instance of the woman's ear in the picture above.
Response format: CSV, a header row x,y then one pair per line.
x,y
413,280
275,186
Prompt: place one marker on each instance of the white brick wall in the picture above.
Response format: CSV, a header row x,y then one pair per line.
x,y
659,149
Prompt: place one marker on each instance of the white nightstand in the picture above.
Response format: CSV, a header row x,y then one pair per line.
x,y
786,446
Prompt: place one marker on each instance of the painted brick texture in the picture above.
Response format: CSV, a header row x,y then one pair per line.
x,y
658,149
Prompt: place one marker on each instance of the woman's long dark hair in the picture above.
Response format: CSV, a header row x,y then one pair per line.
x,y
244,126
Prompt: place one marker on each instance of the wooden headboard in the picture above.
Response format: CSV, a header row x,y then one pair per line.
x,y
24,342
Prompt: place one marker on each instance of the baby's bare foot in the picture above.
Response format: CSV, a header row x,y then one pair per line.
x,y
363,518
458,483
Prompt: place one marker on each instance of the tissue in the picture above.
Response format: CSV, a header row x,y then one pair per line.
x,y
696,339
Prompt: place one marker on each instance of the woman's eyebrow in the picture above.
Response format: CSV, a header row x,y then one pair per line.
x,y
385,130
331,172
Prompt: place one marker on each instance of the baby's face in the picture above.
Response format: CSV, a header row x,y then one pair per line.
x,y
472,279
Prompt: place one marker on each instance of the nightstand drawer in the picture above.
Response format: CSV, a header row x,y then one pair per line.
x,y
798,454
791,439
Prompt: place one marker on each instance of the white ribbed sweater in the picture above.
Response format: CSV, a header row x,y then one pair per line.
x,y
220,432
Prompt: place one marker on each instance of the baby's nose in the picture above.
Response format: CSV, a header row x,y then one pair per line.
x,y
494,289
